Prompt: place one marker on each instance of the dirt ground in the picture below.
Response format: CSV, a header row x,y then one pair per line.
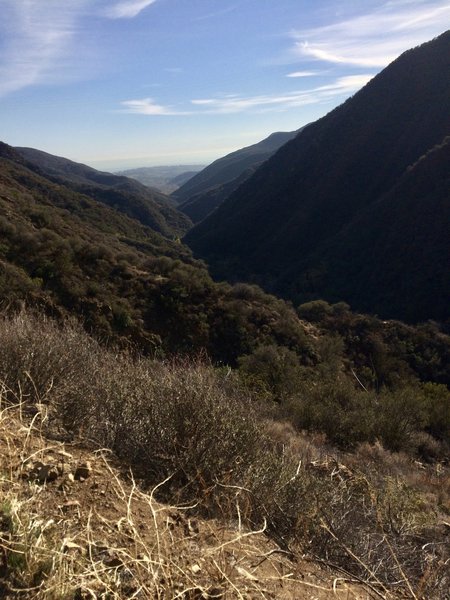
x,y
74,524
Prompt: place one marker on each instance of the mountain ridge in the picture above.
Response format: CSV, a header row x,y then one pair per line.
x,y
149,206
207,189
274,224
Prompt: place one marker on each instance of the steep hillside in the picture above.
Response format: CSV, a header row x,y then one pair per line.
x,y
228,168
397,250
182,178
215,400
279,228
202,204
149,206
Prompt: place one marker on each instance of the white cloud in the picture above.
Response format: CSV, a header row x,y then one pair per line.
x,y
375,39
302,74
217,13
127,9
147,106
235,103
342,86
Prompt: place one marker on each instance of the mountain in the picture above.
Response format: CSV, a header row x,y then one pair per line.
x,y
93,422
182,178
70,255
338,211
151,207
200,205
398,249
213,183
166,178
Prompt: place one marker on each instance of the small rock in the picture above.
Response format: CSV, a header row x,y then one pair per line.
x,y
83,471
113,562
42,473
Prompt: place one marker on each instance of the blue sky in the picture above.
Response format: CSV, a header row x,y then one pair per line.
x,y
123,83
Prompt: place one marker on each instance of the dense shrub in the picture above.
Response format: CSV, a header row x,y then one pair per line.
x,y
41,361
403,413
335,407
274,371
177,419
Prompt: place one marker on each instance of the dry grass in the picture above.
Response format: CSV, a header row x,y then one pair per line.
x,y
105,538
192,439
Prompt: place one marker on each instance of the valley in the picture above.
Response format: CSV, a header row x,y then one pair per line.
x,y
233,381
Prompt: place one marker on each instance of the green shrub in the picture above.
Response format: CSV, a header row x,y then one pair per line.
x,y
437,401
344,413
273,371
401,414
314,311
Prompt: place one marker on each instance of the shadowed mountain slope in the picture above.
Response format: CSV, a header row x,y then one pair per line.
x,y
228,168
398,249
149,206
199,206
332,191
182,178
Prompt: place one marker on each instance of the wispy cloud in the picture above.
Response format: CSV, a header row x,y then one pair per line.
x,y
235,103
127,9
302,74
38,38
342,86
147,106
173,70
375,39
217,13
35,35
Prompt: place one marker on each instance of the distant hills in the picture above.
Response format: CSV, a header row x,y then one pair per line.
x,y
166,179
150,207
204,192
357,207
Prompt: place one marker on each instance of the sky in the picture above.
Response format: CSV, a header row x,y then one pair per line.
x,y
126,83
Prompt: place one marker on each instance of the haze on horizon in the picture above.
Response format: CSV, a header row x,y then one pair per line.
x,y
127,83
